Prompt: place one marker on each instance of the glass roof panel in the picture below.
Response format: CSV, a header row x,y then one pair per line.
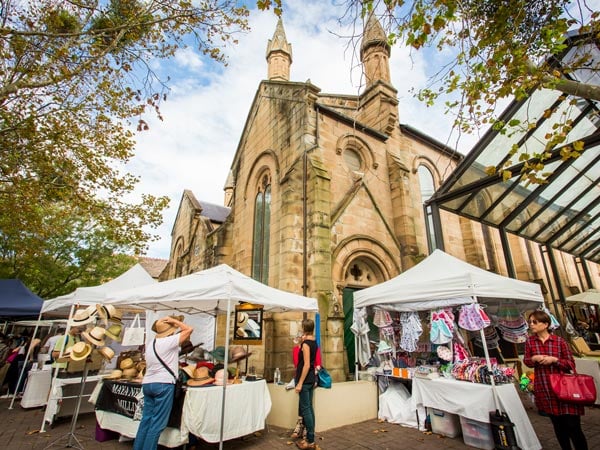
x,y
563,219
583,230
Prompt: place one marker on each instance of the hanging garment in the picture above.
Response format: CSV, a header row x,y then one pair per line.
x,y
440,333
411,331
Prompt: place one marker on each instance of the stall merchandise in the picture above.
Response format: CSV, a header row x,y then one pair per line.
x,y
442,281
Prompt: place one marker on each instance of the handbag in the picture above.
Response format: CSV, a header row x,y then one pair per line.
x,y
178,395
323,378
574,388
503,431
134,335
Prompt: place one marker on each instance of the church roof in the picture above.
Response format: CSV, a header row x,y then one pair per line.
x,y
279,41
215,213
154,266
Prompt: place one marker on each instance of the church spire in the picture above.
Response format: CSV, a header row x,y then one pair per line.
x,y
375,52
279,55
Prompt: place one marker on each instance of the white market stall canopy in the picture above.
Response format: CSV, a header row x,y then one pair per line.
x,y
591,297
442,280
135,277
210,291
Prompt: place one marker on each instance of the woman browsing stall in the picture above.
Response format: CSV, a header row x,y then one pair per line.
x,y
547,354
158,385
305,383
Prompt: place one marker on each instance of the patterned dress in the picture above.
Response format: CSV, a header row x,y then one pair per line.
x,y
545,400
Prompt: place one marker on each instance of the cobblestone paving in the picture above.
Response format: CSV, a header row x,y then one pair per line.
x,y
19,430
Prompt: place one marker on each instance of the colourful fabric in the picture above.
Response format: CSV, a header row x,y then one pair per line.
x,y
296,355
545,399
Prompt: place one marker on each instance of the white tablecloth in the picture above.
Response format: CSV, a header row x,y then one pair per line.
x,y
247,406
56,394
170,437
475,401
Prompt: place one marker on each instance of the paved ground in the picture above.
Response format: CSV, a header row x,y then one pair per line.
x,y
19,431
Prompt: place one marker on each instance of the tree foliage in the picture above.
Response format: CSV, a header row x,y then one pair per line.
x,y
75,83
503,49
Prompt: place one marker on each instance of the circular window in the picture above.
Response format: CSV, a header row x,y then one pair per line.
x,y
352,159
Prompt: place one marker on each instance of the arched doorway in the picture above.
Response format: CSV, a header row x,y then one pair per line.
x,y
361,272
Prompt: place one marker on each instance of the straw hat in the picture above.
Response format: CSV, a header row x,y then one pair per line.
x,y
238,353
200,377
83,316
114,332
127,363
94,335
107,353
108,312
114,375
141,367
80,351
189,370
130,373
164,329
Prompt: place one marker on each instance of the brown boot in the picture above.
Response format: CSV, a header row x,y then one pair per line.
x,y
304,444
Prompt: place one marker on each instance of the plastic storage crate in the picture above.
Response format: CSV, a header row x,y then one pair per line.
x,y
444,423
477,434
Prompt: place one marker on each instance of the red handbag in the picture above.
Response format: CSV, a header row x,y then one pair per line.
x,y
574,388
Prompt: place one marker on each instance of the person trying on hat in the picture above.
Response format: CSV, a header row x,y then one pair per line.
x,y
64,343
158,384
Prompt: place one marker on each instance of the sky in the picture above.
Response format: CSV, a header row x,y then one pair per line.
x,y
193,147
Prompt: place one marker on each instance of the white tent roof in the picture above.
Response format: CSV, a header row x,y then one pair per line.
x,y
591,296
135,277
443,280
210,291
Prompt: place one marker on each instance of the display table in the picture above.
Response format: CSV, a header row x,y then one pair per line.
x,y
246,408
37,388
475,401
117,409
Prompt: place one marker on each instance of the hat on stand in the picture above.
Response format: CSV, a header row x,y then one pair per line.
x,y
114,375
107,353
94,335
83,316
80,351
238,353
114,332
126,363
218,353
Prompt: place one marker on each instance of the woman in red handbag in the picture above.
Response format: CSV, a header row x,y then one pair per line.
x,y
547,354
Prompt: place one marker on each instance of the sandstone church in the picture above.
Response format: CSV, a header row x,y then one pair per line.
x,y
325,196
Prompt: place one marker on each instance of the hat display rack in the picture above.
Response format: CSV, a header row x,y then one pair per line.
x,y
93,341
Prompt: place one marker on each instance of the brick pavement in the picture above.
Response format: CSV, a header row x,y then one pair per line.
x,y
18,431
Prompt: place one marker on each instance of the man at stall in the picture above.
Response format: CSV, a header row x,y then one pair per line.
x,y
64,343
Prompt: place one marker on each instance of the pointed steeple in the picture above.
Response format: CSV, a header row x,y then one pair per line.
x,y
375,52
279,54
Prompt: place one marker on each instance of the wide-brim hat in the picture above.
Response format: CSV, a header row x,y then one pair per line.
x,y
83,316
200,377
114,332
238,353
126,363
189,370
197,354
80,350
114,375
109,312
164,329
94,335
218,353
107,353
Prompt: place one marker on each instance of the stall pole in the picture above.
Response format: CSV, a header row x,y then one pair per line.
x,y
37,325
56,369
225,372
489,366
356,358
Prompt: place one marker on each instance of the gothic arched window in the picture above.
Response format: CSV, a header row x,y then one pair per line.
x,y
262,226
427,189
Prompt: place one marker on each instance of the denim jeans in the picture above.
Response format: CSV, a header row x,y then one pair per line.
x,y
158,399
306,410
